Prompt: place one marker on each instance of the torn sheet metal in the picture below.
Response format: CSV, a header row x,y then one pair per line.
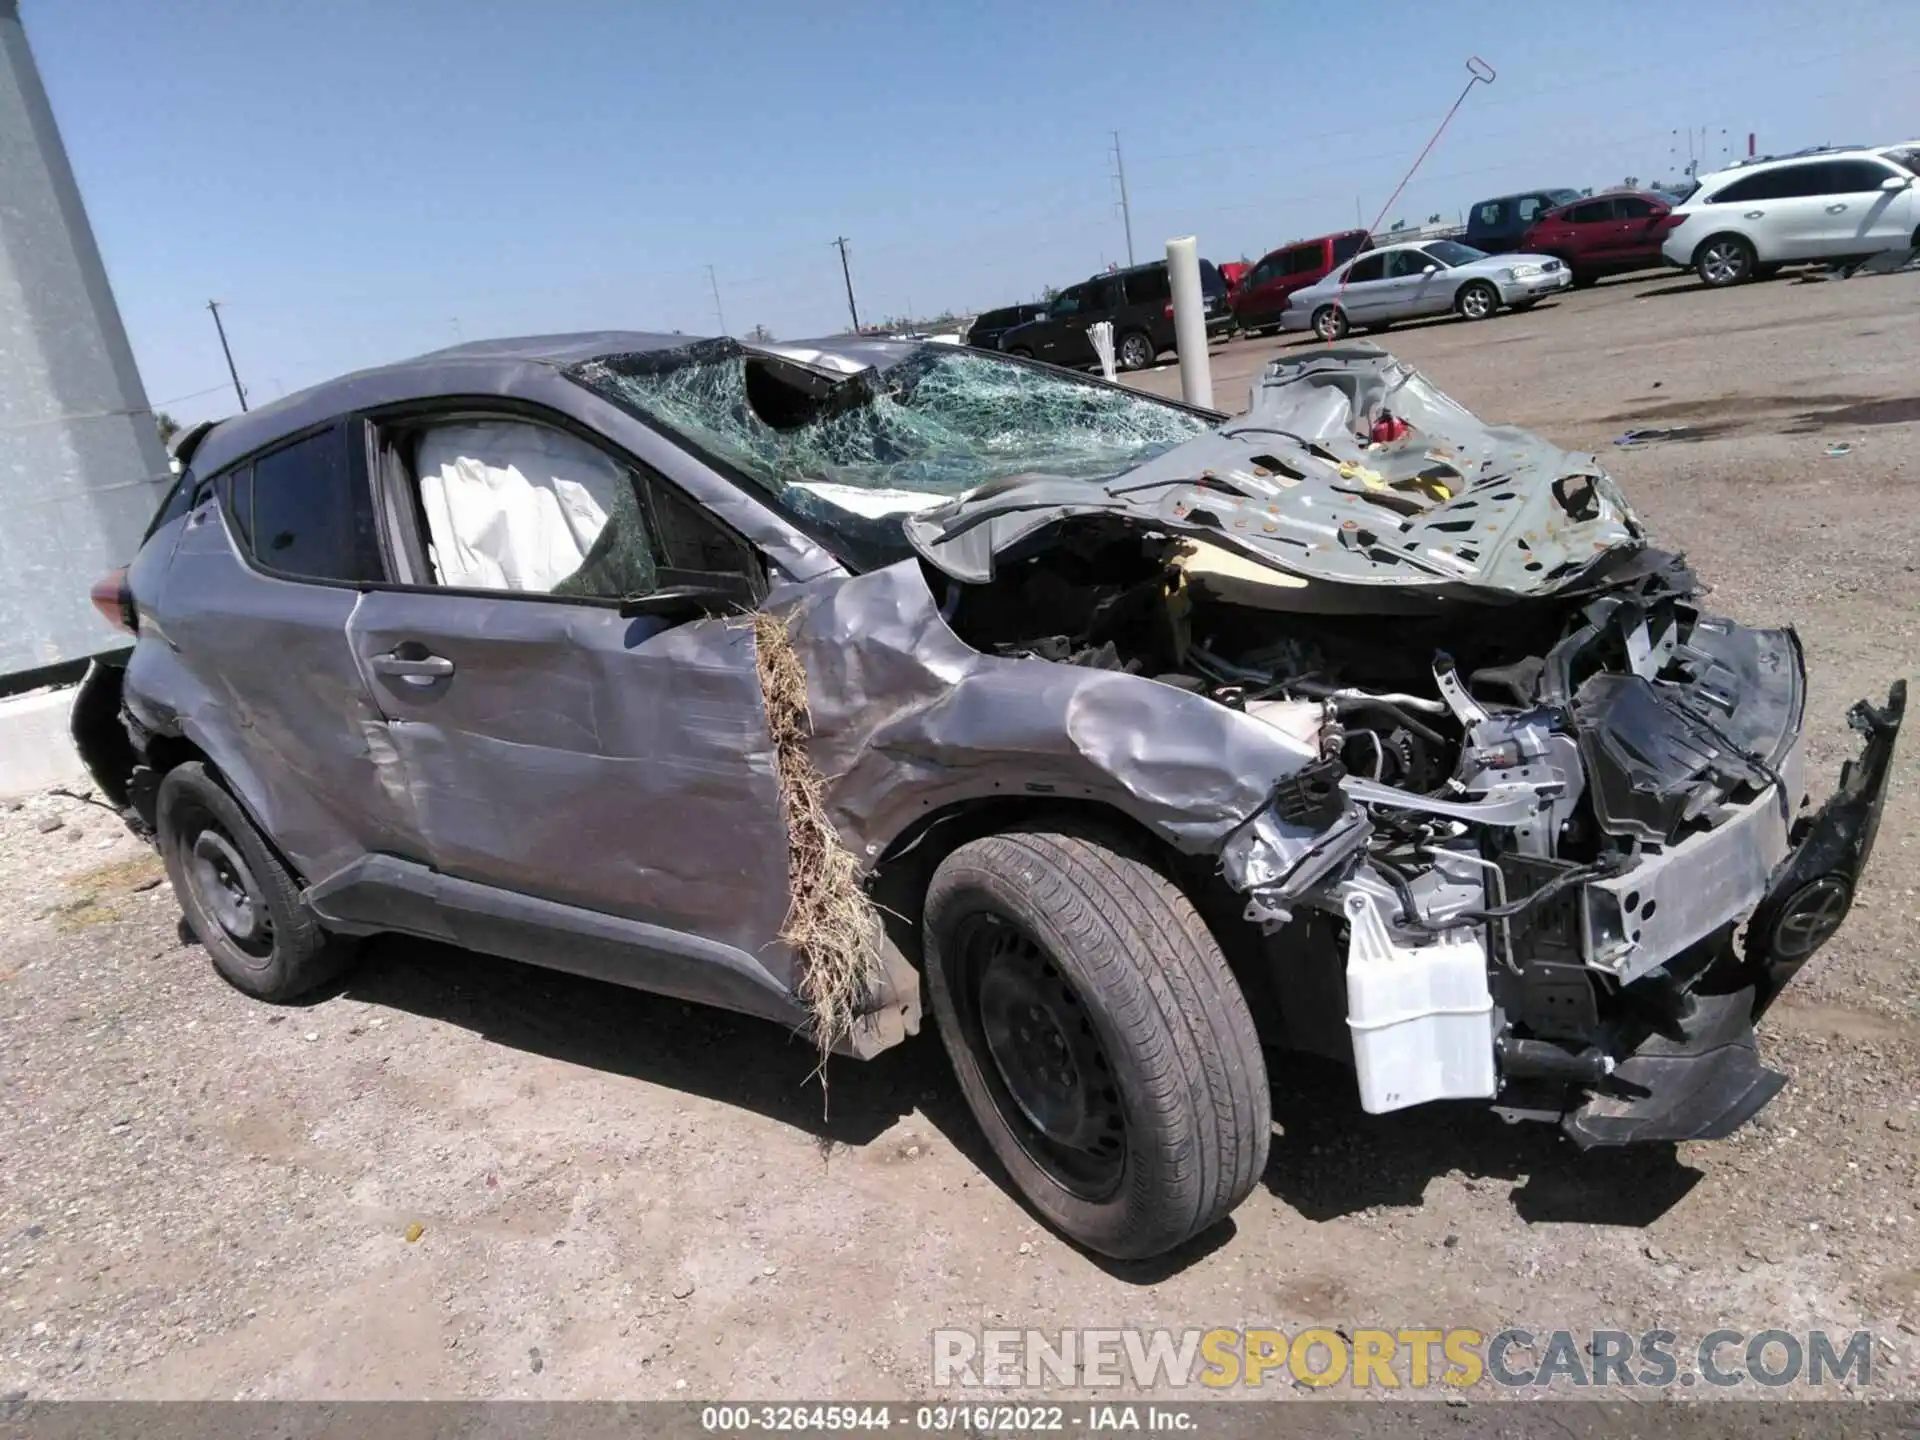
x,y
1451,504
909,719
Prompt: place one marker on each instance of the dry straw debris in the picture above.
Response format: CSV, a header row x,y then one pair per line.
x,y
832,923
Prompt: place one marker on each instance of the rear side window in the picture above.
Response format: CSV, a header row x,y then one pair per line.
x,y
1367,267
1532,207
310,515
1588,213
1489,214
1212,282
1146,286
1348,246
1782,184
1632,207
1305,259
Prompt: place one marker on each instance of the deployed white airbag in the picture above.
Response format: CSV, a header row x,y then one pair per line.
x,y
512,506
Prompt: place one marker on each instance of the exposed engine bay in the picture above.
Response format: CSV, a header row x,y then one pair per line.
x,y
1529,820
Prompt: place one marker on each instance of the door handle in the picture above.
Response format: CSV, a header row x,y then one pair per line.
x,y
1835,209
412,667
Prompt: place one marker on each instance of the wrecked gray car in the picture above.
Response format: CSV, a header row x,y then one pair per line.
x,y
813,681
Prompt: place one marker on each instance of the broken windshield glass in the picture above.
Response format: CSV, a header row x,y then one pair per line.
x,y
851,457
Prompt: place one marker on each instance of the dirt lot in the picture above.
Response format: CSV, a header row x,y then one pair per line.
x,y
457,1176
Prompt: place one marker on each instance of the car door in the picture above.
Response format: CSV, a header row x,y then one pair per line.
x,y
1261,300
1863,216
1637,230
1782,211
559,744
268,570
1587,235
1398,293
1364,291
1057,338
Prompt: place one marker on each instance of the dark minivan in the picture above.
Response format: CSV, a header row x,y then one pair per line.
x,y
1263,294
1497,225
989,325
1139,305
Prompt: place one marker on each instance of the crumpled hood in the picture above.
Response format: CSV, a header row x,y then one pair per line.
x,y
1452,504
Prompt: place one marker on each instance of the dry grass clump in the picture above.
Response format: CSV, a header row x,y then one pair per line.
x,y
832,924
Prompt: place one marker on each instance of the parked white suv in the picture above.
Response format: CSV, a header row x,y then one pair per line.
x,y
1824,206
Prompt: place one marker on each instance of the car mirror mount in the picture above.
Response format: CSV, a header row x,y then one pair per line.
x,y
692,594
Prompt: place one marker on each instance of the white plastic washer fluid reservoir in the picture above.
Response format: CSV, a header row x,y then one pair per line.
x,y
1421,1016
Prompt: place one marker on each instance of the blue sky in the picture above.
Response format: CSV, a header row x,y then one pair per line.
x,y
357,182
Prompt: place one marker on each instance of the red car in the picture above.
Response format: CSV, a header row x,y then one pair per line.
x,y
1261,297
1604,234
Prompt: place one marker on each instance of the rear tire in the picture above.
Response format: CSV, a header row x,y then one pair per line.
x,y
1330,323
1135,350
1477,300
1099,1037
1724,260
240,901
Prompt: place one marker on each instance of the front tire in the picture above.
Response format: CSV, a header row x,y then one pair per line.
x,y
1725,260
1099,1037
1477,300
1135,351
240,901
1330,323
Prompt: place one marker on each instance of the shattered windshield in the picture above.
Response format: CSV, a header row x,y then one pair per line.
x,y
849,457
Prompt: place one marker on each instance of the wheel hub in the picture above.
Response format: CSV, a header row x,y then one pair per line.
x,y
1044,1048
226,887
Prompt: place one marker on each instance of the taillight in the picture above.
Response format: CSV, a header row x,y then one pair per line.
x,y
1169,310
1666,222
114,601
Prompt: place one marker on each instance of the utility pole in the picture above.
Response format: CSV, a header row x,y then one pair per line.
x,y
1126,210
847,271
239,390
714,285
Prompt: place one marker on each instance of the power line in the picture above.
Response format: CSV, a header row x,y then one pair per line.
x,y
718,314
1126,210
847,271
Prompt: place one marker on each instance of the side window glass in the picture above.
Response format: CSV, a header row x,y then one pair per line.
x,y
237,485
179,502
1530,209
1367,267
1853,177
1794,181
1488,215
1304,260
1345,248
1402,264
311,516
1146,286
1632,207
511,505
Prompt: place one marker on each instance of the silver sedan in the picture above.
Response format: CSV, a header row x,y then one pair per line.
x,y
1402,282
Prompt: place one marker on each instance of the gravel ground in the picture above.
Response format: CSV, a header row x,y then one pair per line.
x,y
455,1176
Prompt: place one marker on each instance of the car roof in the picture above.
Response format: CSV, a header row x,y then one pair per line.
x,y
1311,240
1799,157
484,367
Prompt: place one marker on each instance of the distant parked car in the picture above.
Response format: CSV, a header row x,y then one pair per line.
x,y
1402,282
990,325
1604,234
1499,225
1260,302
1138,303
1832,206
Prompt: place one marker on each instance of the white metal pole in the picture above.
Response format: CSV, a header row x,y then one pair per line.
x,y
1190,321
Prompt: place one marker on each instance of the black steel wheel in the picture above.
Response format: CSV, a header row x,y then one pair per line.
x,y
1099,1038
240,900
